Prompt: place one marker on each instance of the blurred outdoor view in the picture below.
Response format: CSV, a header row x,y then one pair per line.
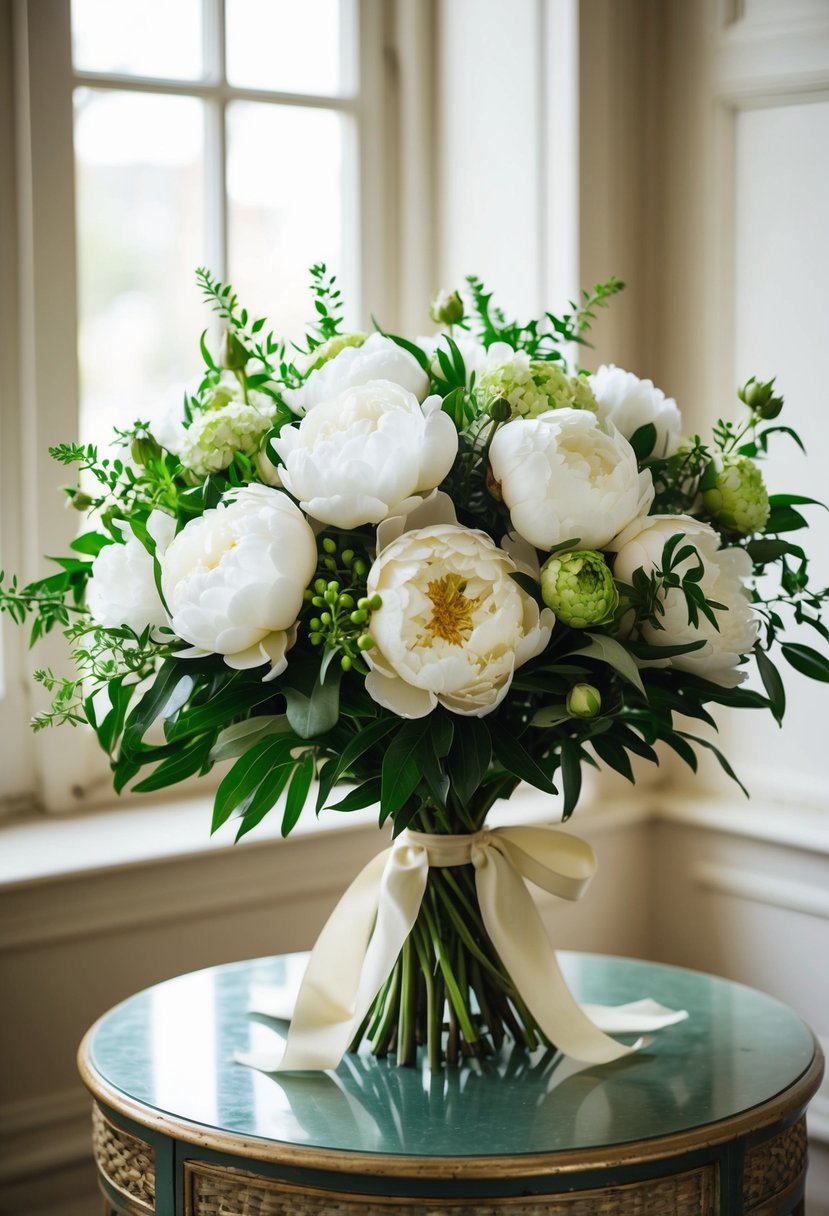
x,y
183,160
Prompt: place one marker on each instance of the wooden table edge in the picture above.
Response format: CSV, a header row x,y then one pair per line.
x,y
790,1102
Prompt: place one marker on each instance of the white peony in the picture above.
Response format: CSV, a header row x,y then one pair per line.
x,y
641,545
122,589
357,458
234,578
630,403
563,476
454,625
378,358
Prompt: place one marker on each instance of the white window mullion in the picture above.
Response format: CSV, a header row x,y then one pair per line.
x,y
48,317
215,202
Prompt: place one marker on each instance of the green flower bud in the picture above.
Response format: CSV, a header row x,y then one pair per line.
x,y
734,495
145,448
233,354
80,501
579,588
332,347
499,409
446,308
760,398
329,544
583,701
345,662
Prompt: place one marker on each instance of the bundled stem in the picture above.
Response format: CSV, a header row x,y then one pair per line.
x,y
449,990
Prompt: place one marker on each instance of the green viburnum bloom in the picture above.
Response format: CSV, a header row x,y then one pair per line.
x,y
583,701
579,588
332,347
532,386
734,495
218,432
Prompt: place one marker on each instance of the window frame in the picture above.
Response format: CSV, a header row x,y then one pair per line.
x,y
63,770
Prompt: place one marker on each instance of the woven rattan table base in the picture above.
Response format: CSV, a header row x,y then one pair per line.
x,y
215,1192
772,1170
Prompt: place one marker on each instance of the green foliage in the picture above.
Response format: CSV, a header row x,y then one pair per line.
x,y
540,338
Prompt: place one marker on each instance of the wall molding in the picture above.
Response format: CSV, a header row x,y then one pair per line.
x,y
41,1135
180,888
762,888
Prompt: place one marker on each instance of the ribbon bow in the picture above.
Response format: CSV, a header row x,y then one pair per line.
x,y
357,948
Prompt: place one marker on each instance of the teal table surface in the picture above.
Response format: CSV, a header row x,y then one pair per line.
x,y
170,1050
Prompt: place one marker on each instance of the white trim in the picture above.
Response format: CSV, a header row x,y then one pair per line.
x,y
792,825
761,888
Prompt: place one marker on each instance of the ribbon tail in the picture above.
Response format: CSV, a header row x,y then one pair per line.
x,y
518,934
353,957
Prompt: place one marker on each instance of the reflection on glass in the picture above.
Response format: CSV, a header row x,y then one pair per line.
x,y
138,37
288,47
184,1059
140,186
286,203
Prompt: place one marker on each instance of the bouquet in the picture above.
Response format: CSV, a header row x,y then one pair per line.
x,y
430,569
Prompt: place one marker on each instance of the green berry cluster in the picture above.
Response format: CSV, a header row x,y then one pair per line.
x,y
342,623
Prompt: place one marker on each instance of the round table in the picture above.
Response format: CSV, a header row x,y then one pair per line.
x,y
707,1119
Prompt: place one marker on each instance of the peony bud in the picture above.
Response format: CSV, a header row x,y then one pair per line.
x,y
734,495
760,398
579,588
446,308
145,448
331,348
584,701
233,356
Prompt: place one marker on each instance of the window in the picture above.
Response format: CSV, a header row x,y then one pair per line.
x,y
151,138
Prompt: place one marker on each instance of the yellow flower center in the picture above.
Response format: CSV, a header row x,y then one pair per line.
x,y
451,609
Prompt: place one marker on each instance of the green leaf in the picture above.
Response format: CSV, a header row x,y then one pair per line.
x,y
443,732
235,740
314,715
807,661
527,583
190,759
766,550
643,440
298,792
784,519
608,650
364,795
264,798
724,765
772,684
90,543
152,703
550,715
245,776
514,757
402,766
570,776
613,755
469,757
363,742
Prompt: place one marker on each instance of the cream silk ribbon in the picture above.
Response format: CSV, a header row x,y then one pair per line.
x,y
357,949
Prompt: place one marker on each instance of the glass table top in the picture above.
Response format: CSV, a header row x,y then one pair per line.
x,y
171,1048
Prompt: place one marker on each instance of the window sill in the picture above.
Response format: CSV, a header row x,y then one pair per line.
x,y
37,848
